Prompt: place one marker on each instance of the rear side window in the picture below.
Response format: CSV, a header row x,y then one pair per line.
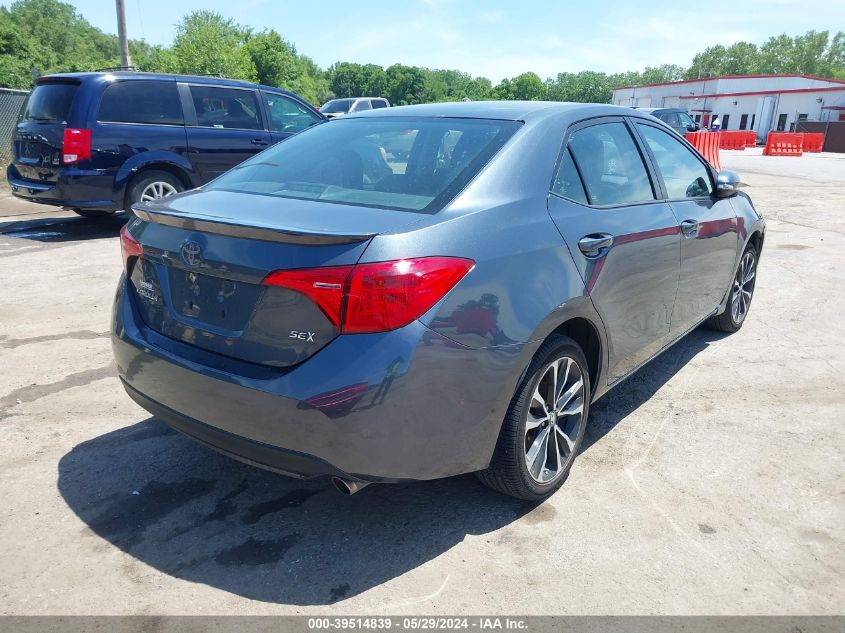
x,y
684,175
611,165
286,115
49,102
568,183
150,102
226,108
407,164
379,103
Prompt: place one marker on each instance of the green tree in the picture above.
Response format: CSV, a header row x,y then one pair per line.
x,y
347,79
661,74
404,84
274,59
207,43
529,87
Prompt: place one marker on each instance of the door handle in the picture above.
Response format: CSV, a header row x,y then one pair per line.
x,y
259,141
689,228
595,244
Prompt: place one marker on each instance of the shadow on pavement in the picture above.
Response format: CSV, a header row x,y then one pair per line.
x,y
73,229
206,518
202,517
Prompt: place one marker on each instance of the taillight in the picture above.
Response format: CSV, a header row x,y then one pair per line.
x,y
375,297
324,286
129,246
76,145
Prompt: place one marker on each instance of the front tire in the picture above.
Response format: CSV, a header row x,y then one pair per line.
x,y
741,293
544,426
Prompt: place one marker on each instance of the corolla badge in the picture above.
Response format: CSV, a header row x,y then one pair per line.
x,y
191,253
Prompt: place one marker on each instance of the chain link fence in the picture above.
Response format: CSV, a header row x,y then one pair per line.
x,y
11,102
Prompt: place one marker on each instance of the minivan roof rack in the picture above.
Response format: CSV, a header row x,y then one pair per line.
x,y
113,68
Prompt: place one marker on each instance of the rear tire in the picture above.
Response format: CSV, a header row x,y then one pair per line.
x,y
740,295
152,185
546,420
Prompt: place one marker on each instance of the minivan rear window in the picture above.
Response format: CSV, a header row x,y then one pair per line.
x,y
402,163
49,102
141,101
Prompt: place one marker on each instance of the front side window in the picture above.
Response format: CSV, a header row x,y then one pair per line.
x,y
150,102
226,108
611,165
686,121
286,115
671,119
407,164
361,105
684,175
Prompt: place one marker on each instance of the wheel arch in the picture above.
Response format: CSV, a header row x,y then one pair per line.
x,y
174,170
578,320
170,162
585,333
756,239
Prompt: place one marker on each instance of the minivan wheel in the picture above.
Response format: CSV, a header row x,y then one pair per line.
x,y
153,185
741,293
544,426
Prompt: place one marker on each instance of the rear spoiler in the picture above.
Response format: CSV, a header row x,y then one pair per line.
x,y
211,224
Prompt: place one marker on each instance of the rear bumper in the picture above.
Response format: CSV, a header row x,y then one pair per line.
x,y
279,460
73,188
401,405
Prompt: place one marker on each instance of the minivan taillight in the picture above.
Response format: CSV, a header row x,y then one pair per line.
x,y
375,297
76,145
129,246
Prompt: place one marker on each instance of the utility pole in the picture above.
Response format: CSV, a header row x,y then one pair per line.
x,y
121,34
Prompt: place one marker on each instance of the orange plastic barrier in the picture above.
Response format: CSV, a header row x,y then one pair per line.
x,y
813,141
733,139
784,144
707,144
750,138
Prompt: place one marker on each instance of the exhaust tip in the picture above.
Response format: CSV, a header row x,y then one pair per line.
x,y
348,486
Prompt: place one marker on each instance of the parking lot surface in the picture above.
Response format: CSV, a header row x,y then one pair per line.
x,y
711,482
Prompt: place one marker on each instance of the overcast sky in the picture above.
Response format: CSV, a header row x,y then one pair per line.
x,y
491,38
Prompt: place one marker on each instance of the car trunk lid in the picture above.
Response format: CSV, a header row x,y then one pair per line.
x,y
206,254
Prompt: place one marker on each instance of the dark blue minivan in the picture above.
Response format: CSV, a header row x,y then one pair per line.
x,y
97,142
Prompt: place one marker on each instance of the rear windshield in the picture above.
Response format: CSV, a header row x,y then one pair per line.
x,y
49,102
337,105
408,164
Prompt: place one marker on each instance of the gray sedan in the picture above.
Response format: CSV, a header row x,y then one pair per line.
x,y
322,310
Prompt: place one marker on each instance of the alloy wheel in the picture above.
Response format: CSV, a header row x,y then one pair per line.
x,y
743,287
554,420
156,190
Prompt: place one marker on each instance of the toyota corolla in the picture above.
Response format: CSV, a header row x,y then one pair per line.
x,y
328,308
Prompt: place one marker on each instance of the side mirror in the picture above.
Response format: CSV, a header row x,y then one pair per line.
x,y
727,183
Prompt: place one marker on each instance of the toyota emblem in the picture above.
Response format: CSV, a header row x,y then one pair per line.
x,y
191,253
